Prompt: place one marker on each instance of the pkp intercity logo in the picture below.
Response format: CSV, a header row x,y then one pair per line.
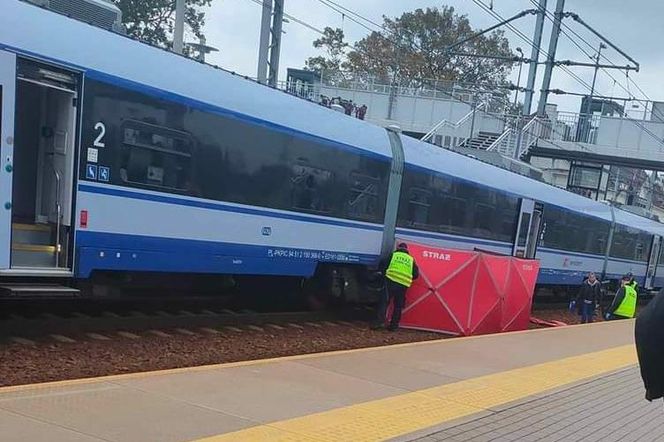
x,y
572,263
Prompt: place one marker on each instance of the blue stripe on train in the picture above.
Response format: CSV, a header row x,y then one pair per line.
x,y
119,252
110,251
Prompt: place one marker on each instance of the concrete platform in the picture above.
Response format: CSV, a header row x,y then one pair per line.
x,y
455,388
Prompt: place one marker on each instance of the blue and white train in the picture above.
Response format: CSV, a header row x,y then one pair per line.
x,y
120,159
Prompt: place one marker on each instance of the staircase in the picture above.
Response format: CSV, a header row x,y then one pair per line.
x,y
482,141
32,245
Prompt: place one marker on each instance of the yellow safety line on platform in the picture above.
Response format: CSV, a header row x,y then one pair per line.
x,y
411,412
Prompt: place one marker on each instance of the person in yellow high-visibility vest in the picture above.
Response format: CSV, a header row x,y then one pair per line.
x,y
399,273
624,304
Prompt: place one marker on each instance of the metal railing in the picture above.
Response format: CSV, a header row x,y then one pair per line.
x,y
445,122
518,137
504,144
421,87
517,133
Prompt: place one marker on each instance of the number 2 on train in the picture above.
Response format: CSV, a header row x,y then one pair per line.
x,y
102,132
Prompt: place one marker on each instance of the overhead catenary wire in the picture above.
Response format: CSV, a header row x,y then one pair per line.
x,y
549,15
527,40
293,19
567,70
637,123
349,12
392,37
565,28
355,17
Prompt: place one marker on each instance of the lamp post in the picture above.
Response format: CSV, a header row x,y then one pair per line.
x,y
518,81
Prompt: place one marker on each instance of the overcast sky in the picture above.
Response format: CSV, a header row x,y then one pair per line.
x,y
635,26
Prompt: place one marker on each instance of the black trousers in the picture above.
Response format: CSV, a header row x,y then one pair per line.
x,y
393,293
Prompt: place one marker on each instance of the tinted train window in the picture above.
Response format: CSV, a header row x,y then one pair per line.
x,y
573,232
441,204
155,156
309,186
363,196
629,243
157,144
419,203
452,215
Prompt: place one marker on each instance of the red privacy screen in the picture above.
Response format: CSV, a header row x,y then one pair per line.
x,y
469,293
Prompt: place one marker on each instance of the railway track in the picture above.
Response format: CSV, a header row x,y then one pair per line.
x,y
65,325
26,323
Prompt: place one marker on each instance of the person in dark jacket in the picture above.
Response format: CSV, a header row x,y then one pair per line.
x,y
649,334
588,298
400,272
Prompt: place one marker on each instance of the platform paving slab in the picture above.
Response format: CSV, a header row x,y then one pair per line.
x,y
334,396
607,408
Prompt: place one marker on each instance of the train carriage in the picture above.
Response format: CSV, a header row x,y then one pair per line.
x,y
119,159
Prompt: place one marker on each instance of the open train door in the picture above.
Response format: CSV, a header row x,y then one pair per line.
x,y
528,229
653,261
7,103
37,147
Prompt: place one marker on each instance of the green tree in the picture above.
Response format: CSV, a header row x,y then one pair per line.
x,y
153,21
412,48
333,63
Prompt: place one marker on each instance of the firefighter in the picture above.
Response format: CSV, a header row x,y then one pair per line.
x,y
399,274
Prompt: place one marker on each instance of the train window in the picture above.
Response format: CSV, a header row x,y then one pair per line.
x,y
644,242
484,219
629,243
508,220
600,242
308,185
155,156
219,158
453,219
510,208
419,203
524,229
640,249
363,196
440,204
573,232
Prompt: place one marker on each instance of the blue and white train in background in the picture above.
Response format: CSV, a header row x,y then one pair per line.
x,y
120,159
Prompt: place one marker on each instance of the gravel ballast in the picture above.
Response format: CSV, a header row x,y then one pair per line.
x,y
52,359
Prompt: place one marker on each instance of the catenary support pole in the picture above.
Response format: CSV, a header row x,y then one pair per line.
x,y
551,59
534,58
178,32
264,42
